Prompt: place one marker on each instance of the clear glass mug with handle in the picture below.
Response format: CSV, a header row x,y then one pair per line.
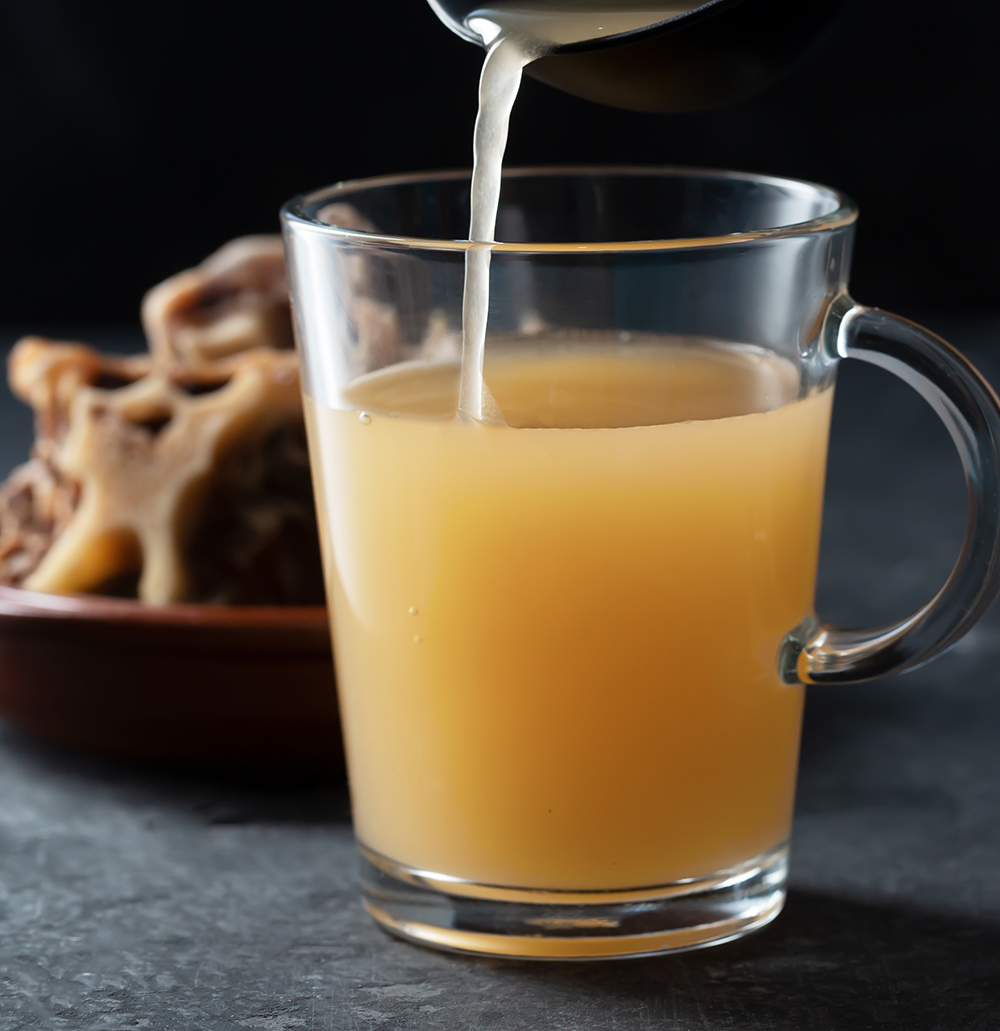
x,y
572,637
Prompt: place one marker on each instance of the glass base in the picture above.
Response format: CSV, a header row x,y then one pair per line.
x,y
460,916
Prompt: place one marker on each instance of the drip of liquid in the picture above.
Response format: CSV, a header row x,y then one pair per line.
x,y
516,34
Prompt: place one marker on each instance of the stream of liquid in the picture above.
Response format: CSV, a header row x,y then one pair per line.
x,y
516,34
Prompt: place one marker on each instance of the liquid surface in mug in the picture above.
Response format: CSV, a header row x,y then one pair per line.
x,y
556,638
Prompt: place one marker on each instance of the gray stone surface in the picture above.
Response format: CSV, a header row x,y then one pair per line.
x,y
131,899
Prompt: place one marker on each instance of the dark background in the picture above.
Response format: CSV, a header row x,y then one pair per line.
x,y
137,137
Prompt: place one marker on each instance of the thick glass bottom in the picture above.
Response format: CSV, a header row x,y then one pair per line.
x,y
459,916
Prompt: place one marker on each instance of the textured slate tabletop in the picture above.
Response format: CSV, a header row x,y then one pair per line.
x,y
138,900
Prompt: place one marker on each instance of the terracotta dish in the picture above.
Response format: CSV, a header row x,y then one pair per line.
x,y
186,686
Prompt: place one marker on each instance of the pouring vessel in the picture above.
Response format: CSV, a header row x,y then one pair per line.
x,y
718,53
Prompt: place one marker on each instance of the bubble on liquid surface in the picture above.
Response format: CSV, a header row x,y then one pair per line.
x,y
418,639
413,610
364,417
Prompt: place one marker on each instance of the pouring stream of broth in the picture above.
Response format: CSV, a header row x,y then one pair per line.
x,y
516,34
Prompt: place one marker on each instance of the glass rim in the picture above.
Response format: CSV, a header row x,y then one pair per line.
x,y
844,213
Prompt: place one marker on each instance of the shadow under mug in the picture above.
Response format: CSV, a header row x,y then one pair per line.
x,y
572,647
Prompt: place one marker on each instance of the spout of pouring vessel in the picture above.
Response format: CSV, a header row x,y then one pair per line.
x,y
671,56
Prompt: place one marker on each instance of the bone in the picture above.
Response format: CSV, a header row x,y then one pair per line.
x,y
36,505
47,377
235,300
180,475
39,500
143,456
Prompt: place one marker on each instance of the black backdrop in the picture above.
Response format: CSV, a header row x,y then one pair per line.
x,y
136,137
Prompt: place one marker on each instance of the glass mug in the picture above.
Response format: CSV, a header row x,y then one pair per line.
x,y
572,639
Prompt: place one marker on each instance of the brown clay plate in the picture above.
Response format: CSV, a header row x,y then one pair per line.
x,y
186,686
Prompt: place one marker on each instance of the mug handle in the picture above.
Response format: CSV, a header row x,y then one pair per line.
x,y
816,653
